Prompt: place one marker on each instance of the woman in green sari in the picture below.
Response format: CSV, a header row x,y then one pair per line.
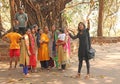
x,y
54,38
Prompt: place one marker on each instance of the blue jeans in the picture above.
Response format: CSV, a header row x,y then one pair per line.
x,y
25,70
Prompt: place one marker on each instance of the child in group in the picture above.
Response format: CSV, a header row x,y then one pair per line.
x,y
13,38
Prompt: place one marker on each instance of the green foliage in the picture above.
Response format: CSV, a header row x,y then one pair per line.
x,y
69,19
5,14
111,17
79,13
75,13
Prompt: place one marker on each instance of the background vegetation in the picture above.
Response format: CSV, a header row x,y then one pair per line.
x,y
104,15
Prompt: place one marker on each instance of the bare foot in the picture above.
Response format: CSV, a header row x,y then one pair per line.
x,y
10,68
34,71
27,76
39,70
14,68
78,75
63,70
29,71
59,69
87,76
48,69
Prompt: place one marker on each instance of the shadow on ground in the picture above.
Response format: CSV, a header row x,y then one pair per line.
x,y
105,69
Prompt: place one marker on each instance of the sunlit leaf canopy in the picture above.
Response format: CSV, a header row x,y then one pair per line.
x,y
77,11
5,14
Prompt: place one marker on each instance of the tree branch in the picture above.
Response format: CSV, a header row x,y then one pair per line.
x,y
78,4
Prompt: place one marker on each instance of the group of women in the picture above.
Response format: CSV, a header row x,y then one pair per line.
x,y
52,48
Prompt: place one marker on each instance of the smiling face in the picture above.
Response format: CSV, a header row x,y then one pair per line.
x,y
33,30
40,31
81,26
28,31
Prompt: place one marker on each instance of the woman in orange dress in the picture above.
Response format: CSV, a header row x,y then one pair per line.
x,y
43,55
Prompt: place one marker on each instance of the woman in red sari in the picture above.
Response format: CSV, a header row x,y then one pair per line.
x,y
32,51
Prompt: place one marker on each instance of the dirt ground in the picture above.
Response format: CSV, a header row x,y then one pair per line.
x,y
105,69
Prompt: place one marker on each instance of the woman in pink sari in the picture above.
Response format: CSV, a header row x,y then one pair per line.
x,y
32,51
67,43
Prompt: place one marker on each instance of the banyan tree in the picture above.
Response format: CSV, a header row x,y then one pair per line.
x,y
41,12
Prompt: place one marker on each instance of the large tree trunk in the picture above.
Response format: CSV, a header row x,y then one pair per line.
x,y
0,23
12,11
0,26
41,12
100,18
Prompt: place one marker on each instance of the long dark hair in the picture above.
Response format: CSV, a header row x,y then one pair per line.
x,y
82,24
26,29
61,30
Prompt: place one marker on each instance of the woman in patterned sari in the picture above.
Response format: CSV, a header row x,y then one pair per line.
x,y
25,53
62,49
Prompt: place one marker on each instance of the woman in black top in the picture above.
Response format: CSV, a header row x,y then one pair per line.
x,y
84,46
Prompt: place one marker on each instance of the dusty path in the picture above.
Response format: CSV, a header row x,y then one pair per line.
x,y
105,69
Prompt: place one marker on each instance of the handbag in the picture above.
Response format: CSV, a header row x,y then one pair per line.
x,y
91,53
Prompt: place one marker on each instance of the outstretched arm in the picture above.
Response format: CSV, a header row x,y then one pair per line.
x,y
88,24
73,37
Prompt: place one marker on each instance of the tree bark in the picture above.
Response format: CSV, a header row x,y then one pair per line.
x,y
12,12
41,12
100,18
1,27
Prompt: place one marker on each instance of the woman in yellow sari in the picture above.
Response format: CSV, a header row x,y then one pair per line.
x,y
61,49
43,55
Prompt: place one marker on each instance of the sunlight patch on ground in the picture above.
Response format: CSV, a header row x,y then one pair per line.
x,y
104,70
113,56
